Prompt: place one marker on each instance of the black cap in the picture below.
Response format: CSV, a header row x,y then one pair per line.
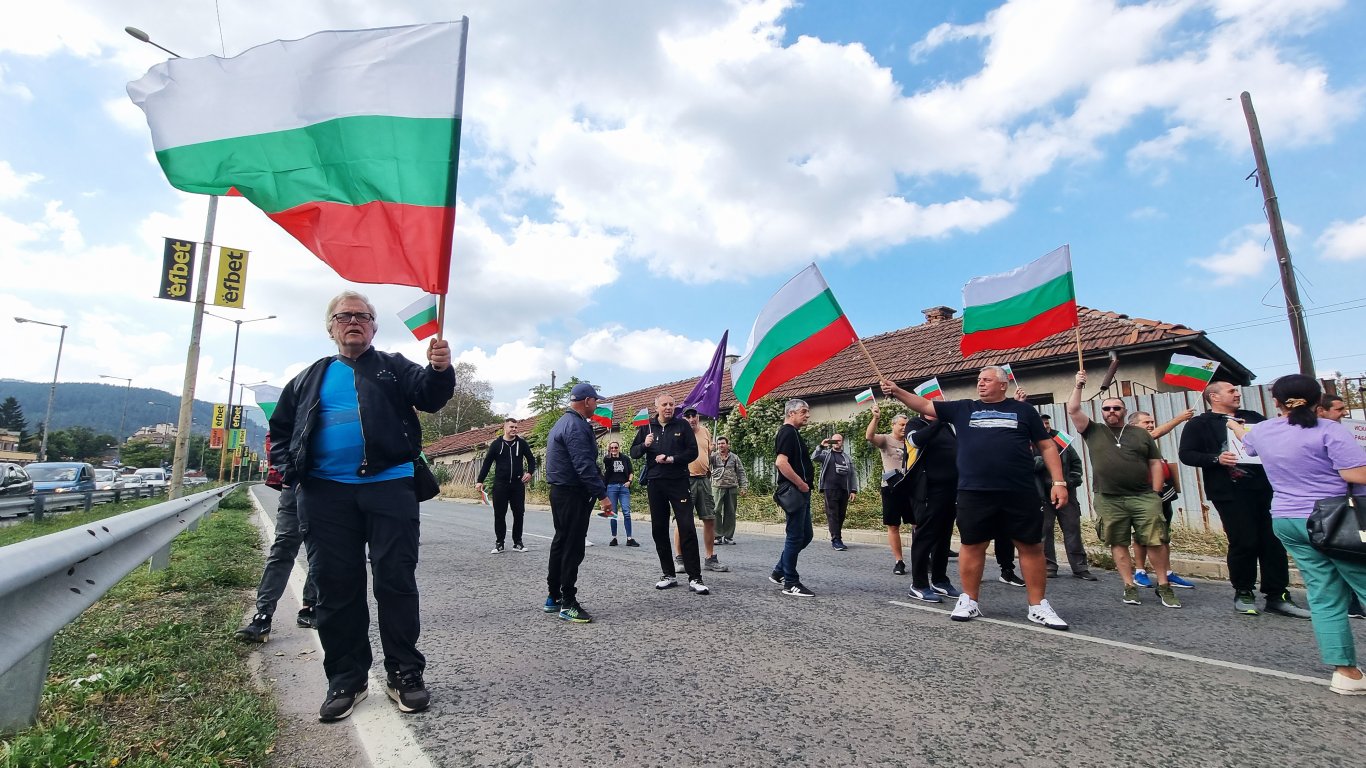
x,y
583,391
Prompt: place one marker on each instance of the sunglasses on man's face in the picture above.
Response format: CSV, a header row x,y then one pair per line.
x,y
1112,407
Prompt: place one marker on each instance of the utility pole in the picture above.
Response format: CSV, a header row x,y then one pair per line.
x,y
1299,334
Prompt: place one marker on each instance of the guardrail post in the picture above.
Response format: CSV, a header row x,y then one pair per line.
x,y
21,690
89,500
38,503
117,493
160,559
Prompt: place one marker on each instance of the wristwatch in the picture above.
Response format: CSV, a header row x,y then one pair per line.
x,y
1060,482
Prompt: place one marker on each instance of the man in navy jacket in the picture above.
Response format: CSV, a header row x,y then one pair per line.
x,y
575,479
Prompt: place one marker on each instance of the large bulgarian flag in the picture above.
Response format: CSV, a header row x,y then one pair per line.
x,y
1017,308
347,139
799,328
1189,372
267,395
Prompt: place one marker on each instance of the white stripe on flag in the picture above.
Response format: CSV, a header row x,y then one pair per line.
x,y
993,288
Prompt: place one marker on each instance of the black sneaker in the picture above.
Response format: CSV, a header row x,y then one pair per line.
x,y
340,703
798,590
632,542
899,569
613,542
776,577
408,691
258,631
307,618
1009,577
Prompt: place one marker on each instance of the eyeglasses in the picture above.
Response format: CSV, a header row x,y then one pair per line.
x,y
1112,407
346,318
836,441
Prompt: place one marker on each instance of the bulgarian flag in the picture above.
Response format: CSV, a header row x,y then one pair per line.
x,y
347,139
1017,308
930,390
799,328
603,415
642,418
864,396
421,317
1063,441
1189,372
267,395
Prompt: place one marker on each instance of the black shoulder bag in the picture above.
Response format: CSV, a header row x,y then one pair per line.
x,y
1337,526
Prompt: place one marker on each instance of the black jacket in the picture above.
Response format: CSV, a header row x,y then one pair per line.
x,y
388,388
1071,471
674,439
1203,439
510,459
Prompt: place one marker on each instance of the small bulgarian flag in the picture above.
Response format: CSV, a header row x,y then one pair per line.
x,y
864,396
641,418
420,317
484,497
603,415
1010,375
1063,440
1189,372
930,390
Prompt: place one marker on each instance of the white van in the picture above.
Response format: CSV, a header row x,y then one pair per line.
x,y
153,477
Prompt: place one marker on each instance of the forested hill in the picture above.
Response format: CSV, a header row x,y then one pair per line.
x,y
100,406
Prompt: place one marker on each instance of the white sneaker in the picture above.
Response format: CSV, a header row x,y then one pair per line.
x,y
966,609
1347,686
697,586
1044,614
666,582
587,543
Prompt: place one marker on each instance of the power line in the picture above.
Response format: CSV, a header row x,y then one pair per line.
x,y
1359,303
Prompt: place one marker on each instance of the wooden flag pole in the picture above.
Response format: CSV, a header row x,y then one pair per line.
x,y
440,316
880,377
1081,366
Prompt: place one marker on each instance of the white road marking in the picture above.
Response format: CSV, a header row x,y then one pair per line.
x,y
1129,646
387,740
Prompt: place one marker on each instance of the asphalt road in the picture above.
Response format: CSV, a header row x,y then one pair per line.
x,y
858,675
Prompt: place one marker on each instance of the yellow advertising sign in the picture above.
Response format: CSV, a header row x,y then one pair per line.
x,y
232,278
220,416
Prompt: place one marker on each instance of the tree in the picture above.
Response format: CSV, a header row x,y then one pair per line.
x,y
546,403
471,406
145,453
77,444
12,418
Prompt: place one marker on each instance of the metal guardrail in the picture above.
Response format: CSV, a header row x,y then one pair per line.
x,y
45,583
40,503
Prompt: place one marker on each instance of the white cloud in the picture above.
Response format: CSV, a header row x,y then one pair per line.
x,y
1344,240
1244,254
14,185
650,350
17,90
519,363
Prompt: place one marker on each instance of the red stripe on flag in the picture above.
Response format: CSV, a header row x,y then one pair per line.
x,y
1043,325
426,329
1184,381
378,242
819,347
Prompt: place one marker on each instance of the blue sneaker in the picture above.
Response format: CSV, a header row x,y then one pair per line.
x,y
1142,579
1178,582
925,595
946,589
551,605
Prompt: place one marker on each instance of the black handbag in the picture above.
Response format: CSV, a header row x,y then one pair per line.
x,y
424,482
1337,526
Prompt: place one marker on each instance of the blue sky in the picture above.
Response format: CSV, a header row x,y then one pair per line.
x,y
637,178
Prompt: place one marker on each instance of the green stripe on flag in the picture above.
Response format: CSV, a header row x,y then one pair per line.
x,y
1201,374
1020,308
798,326
427,315
349,160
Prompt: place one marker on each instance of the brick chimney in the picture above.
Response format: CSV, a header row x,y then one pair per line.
x,y
938,314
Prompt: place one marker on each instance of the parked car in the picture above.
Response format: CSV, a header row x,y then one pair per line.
x,y
61,477
153,477
14,481
107,480
133,481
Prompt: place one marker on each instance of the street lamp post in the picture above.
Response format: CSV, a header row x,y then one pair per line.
x,y
196,326
236,337
124,417
52,393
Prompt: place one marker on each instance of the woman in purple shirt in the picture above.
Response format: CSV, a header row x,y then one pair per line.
x,y
1307,459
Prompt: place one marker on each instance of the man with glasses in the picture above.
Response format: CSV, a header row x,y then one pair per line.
x,y
345,435
839,485
1128,485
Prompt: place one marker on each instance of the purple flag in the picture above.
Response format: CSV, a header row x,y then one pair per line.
x,y
706,396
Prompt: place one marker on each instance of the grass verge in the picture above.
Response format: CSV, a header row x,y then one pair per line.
x,y
150,675
28,528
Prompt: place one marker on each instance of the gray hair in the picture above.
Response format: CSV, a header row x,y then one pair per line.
x,y
901,416
1138,416
998,372
793,406
343,296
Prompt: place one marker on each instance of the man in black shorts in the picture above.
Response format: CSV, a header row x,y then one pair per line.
x,y
996,493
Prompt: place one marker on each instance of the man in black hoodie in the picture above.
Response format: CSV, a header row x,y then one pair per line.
x,y
512,463
667,445
1242,496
